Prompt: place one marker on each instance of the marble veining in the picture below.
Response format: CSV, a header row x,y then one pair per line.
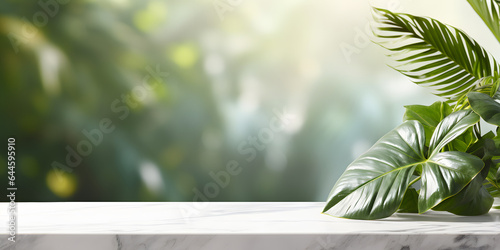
x,y
237,225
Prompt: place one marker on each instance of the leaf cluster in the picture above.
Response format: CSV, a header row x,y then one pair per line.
x,y
438,158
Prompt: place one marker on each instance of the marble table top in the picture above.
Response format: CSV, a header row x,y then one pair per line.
x,y
241,221
228,218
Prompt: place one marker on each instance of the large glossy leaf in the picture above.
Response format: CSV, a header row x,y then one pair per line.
x,y
489,11
485,106
474,199
444,175
433,54
373,186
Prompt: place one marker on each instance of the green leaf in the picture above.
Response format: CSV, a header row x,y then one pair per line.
x,y
489,11
463,141
433,54
474,199
447,173
492,159
478,148
451,127
373,186
410,202
429,116
485,106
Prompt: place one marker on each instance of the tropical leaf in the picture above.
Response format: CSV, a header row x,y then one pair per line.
x,y
478,148
474,199
433,54
445,175
489,11
374,185
410,202
429,116
492,156
485,106
456,166
462,142
450,128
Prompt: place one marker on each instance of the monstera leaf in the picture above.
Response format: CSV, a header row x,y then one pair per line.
x,y
373,186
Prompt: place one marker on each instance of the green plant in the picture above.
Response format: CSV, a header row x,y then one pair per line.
x,y
440,148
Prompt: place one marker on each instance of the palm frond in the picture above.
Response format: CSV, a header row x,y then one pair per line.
x,y
489,11
433,54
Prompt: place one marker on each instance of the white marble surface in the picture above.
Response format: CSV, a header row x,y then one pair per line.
x,y
244,225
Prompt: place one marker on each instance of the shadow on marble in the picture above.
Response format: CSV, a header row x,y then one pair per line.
x,y
492,216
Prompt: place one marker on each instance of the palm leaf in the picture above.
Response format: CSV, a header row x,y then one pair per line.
x,y
489,11
433,54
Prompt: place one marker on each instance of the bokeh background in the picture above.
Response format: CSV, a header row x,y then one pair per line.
x,y
232,66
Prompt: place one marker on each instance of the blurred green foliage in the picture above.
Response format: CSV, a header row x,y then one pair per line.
x,y
63,65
